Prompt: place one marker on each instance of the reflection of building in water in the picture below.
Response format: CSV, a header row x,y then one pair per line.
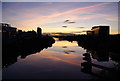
x,y
100,55
9,60
99,31
108,73
39,31
8,31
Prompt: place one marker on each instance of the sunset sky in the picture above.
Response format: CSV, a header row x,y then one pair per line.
x,y
60,0
51,16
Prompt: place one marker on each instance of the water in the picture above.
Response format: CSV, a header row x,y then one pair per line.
x,y
61,61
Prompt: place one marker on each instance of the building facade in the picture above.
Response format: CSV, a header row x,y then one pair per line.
x,y
8,31
99,31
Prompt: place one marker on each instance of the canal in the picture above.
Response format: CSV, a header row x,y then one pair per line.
x,y
60,61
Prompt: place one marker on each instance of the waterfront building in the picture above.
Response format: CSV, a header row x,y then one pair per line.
x,y
28,35
101,31
39,31
90,33
8,31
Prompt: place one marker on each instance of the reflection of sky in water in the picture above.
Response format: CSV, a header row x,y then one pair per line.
x,y
50,63
58,46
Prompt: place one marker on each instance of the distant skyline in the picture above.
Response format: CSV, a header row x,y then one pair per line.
x,y
51,16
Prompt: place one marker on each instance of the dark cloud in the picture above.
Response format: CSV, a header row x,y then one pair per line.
x,y
64,26
64,46
66,21
68,51
71,22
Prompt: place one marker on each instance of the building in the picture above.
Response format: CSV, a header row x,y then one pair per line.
x,y
90,33
39,31
99,31
26,35
8,31
8,28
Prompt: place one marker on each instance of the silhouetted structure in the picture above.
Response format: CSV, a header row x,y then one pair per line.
x,y
19,31
27,35
101,31
89,33
39,31
23,48
8,31
21,43
99,54
87,68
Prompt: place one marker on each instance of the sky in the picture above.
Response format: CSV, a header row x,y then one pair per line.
x,y
60,0
67,17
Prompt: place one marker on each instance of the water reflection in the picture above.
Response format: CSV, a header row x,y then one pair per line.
x,y
64,60
11,53
51,63
109,73
101,58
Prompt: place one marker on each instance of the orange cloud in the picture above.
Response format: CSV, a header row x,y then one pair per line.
x,y
29,19
78,10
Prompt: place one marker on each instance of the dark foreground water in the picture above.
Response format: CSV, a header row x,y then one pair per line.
x,y
61,61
